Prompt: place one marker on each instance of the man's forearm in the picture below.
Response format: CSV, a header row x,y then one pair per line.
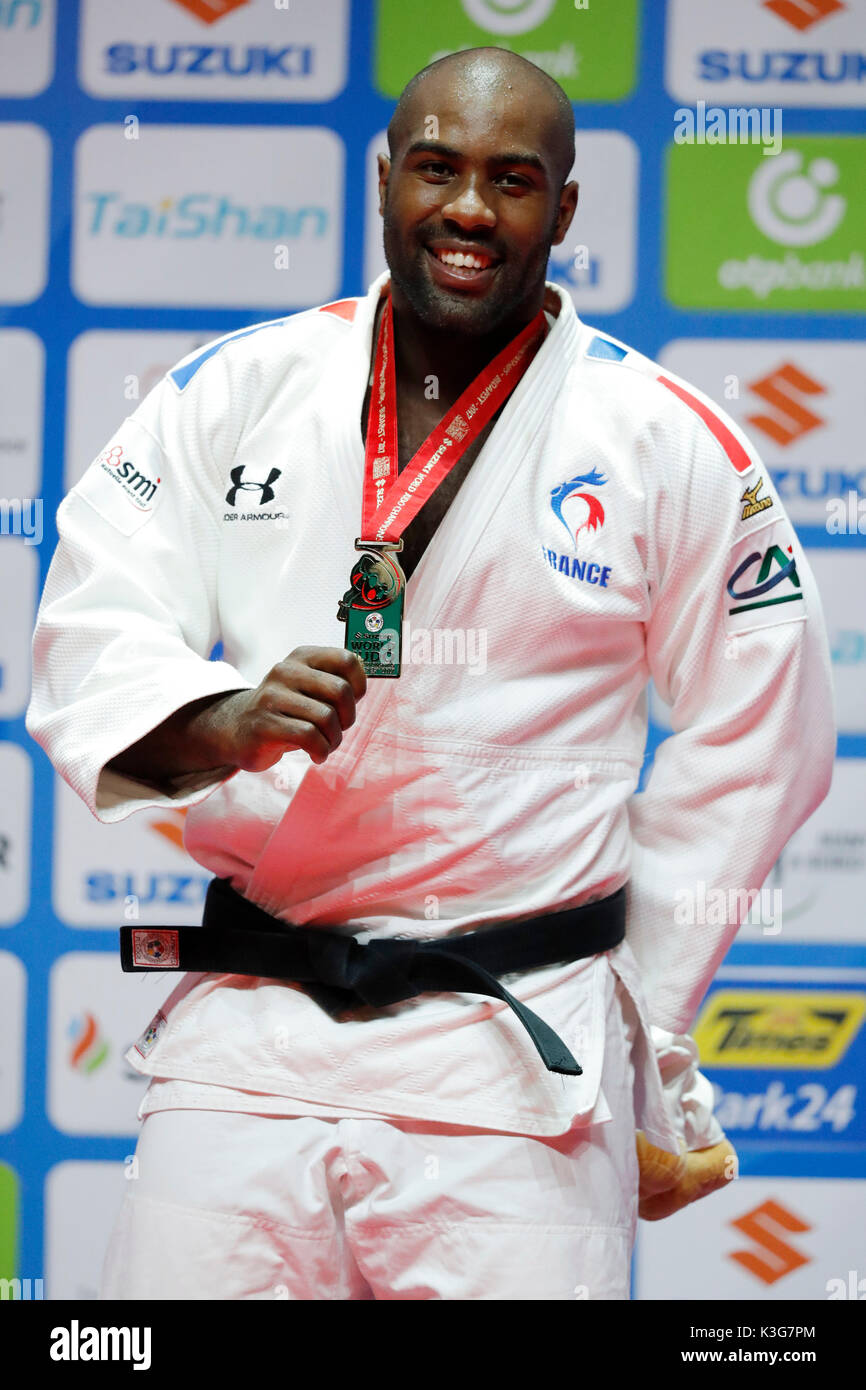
x,y
193,739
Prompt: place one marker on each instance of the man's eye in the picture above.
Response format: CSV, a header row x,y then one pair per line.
x,y
436,167
514,180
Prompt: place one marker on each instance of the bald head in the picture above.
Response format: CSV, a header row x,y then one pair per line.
x,y
480,78
474,192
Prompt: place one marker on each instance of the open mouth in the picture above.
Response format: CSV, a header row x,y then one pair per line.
x,y
471,268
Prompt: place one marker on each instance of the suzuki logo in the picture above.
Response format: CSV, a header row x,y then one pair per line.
x,y
171,830
780,390
211,10
802,14
765,1226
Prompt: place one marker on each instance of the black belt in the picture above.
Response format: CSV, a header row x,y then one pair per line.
x,y
238,938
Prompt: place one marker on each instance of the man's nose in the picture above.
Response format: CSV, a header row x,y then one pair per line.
x,y
468,208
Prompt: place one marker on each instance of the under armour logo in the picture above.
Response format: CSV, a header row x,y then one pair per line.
x,y
265,488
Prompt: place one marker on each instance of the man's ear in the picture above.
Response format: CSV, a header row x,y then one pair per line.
x,y
567,208
384,164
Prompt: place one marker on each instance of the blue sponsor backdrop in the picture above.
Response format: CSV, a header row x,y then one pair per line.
x,y
64,110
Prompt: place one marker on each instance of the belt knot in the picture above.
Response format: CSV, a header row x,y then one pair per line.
x,y
378,971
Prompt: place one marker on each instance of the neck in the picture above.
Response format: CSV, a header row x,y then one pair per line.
x,y
454,358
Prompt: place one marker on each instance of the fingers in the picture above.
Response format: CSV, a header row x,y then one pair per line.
x,y
659,1170
337,662
305,701
706,1170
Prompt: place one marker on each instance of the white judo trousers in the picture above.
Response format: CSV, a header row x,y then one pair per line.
x,y
243,1206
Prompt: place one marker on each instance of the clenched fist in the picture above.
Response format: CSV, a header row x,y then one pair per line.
x,y
305,701
669,1182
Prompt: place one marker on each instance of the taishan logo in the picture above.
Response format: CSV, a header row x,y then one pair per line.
x,y
751,1028
781,390
802,14
211,10
766,1226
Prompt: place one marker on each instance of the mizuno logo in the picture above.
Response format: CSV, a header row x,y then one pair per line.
x,y
782,390
752,503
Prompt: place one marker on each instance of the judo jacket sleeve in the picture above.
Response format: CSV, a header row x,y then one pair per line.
x,y
736,646
128,615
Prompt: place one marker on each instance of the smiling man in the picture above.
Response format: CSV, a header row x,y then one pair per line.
x,y
443,976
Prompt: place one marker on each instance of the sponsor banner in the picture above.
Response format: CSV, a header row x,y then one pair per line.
x,y
16,779
97,1012
132,871
19,582
596,262
80,1197
8,1222
109,374
759,234
762,1239
821,872
374,251
250,216
590,49
786,1063
13,991
755,52
800,401
214,50
26,47
22,394
25,171
814,892
841,579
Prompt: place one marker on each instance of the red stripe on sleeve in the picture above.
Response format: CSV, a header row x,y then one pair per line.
x,y
734,450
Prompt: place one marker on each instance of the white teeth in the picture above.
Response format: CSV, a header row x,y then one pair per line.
x,y
463,259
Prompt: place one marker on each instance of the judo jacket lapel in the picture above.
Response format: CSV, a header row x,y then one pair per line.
x,y
518,433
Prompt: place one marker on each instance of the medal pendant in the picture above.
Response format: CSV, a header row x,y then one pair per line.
x,y
372,608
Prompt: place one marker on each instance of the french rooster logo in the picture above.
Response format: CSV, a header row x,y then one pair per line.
x,y
595,511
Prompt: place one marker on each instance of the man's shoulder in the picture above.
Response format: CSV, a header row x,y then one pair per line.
x,y
270,344
655,403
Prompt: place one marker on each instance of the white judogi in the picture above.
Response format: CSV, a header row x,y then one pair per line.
x,y
226,507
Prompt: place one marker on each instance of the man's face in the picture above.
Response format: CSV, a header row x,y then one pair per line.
x,y
472,178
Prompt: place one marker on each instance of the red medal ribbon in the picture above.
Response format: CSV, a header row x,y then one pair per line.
x,y
390,502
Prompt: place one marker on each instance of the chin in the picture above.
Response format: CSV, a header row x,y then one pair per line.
x,y
447,312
